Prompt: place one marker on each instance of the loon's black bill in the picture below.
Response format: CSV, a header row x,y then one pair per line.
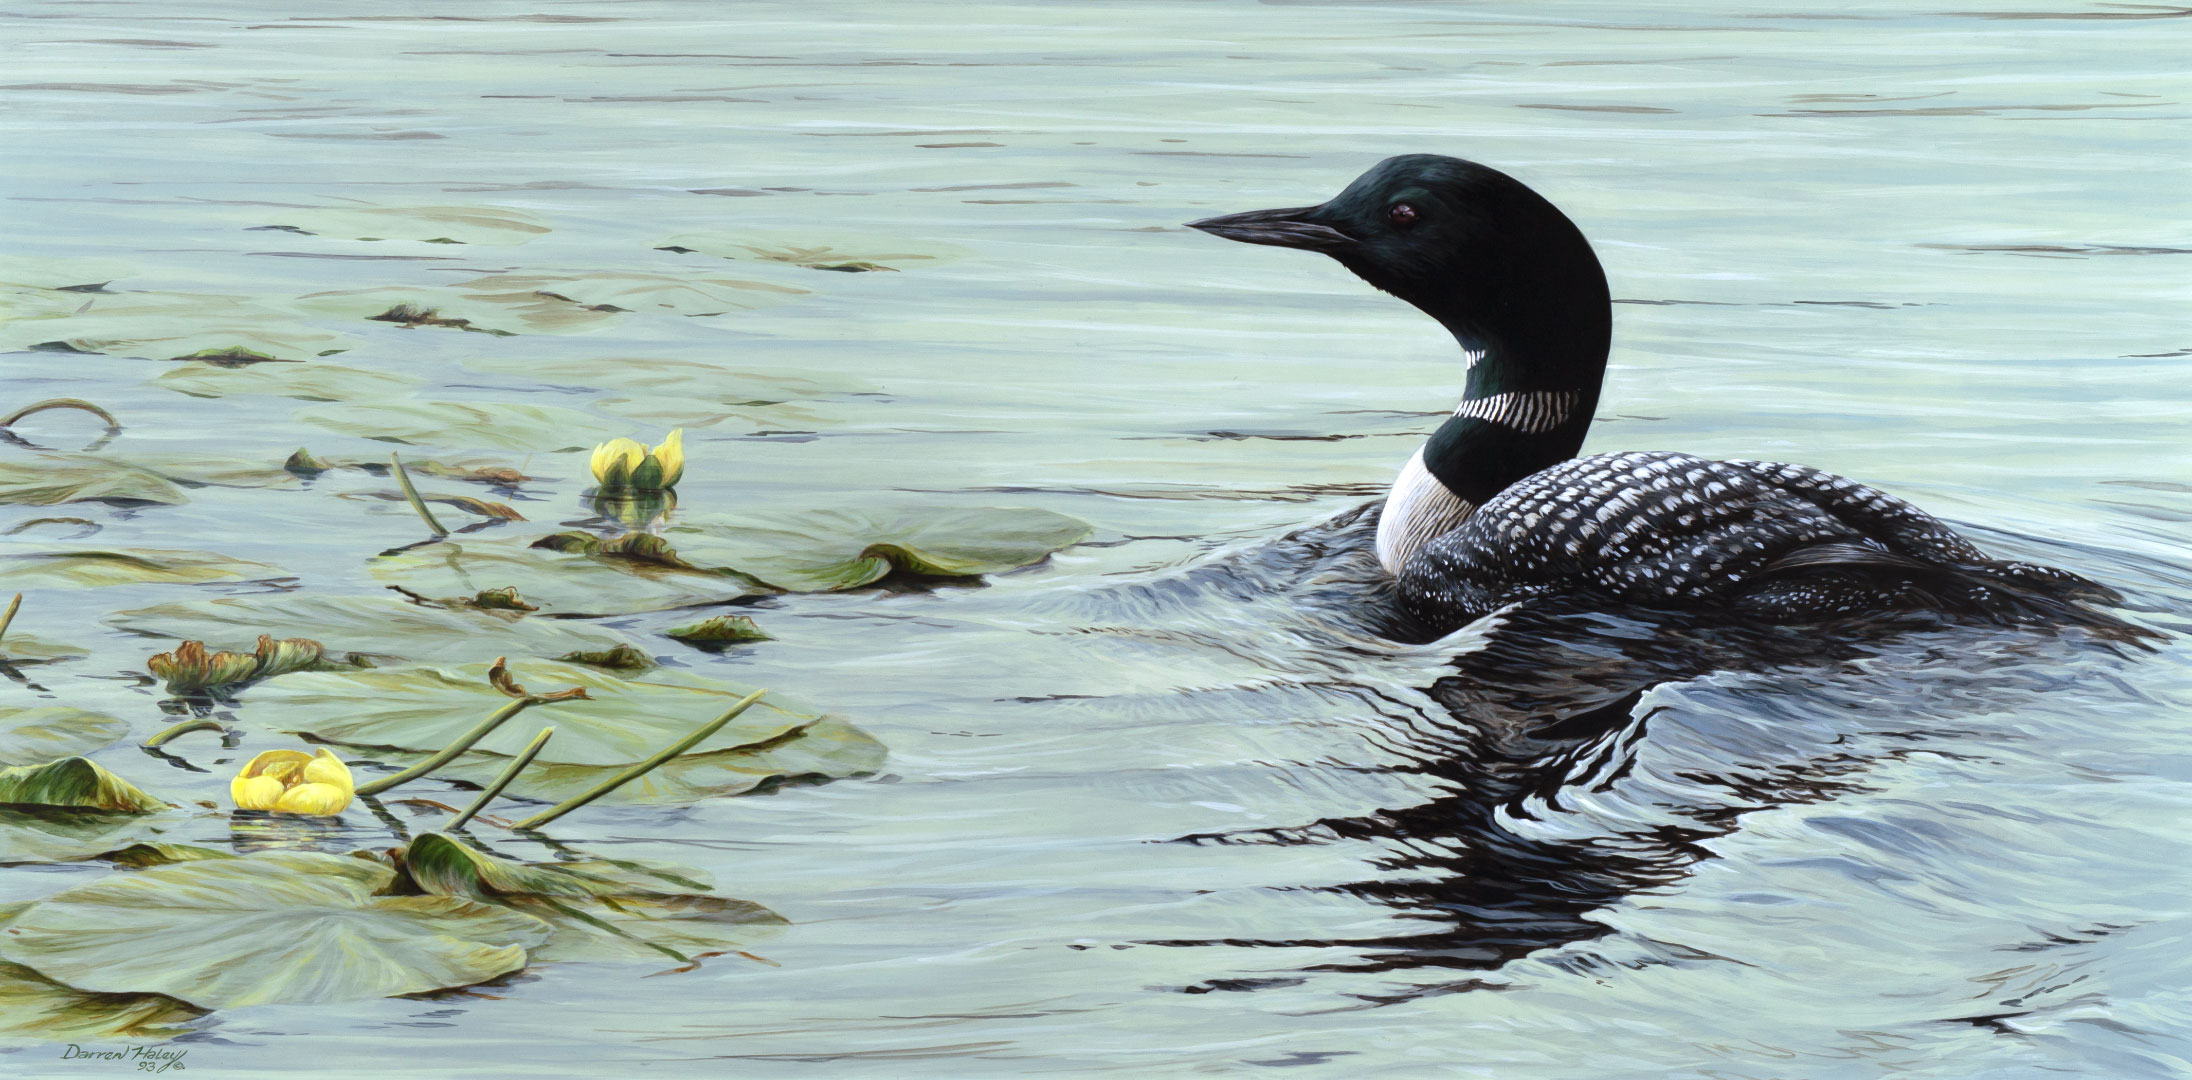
x,y
1278,228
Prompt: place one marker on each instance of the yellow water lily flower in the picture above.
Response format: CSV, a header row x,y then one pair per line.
x,y
294,782
622,464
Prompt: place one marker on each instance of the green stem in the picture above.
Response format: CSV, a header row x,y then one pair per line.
x,y
449,753
641,769
517,766
403,480
8,619
61,403
184,728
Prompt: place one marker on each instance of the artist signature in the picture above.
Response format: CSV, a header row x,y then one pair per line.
x,y
151,1059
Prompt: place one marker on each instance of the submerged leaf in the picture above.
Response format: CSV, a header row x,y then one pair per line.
x,y
31,736
75,783
600,910
280,928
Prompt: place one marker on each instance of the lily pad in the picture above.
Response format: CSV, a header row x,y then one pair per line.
x,y
85,568
561,584
549,303
381,626
845,254
719,631
59,834
35,1009
52,479
600,910
465,425
684,393
477,225
402,715
31,736
74,783
161,326
308,382
825,550
277,928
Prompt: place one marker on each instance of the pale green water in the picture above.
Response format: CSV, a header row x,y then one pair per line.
x,y
1940,252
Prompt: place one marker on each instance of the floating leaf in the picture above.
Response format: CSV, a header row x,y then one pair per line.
x,y
189,668
561,584
370,625
600,910
31,736
145,856
845,254
35,1009
621,658
59,834
822,550
721,630
309,382
503,426
84,568
278,928
52,479
401,715
161,326
550,303
476,225
76,783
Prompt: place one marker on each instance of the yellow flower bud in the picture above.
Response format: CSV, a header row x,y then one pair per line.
x,y
294,782
255,792
672,456
614,461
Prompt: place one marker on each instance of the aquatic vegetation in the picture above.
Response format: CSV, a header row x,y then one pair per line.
x,y
411,714
630,576
463,425
349,627
317,784
621,464
718,631
828,550
285,927
34,1008
191,669
29,736
499,226
306,382
861,254
75,783
82,568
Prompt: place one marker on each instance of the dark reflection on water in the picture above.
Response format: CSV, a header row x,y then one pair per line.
x,y
1551,709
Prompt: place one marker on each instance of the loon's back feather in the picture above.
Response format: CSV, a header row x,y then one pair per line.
x,y
1662,529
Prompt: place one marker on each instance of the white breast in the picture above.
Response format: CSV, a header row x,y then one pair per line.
x,y
1417,510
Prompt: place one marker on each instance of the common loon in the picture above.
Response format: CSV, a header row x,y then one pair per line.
x,y
1495,507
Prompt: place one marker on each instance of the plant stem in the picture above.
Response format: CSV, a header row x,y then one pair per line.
x,y
62,403
8,619
184,728
448,753
641,769
403,480
517,766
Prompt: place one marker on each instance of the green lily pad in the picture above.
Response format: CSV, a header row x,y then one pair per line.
x,y
308,382
145,856
465,425
60,834
277,928
31,736
477,225
21,648
825,550
161,326
402,715
504,304
85,568
35,1009
560,583
52,479
381,626
76,783
600,910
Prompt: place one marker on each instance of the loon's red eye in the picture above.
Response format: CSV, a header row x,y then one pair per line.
x,y
1401,214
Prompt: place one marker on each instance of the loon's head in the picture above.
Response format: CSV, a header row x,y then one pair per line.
x,y
1474,248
